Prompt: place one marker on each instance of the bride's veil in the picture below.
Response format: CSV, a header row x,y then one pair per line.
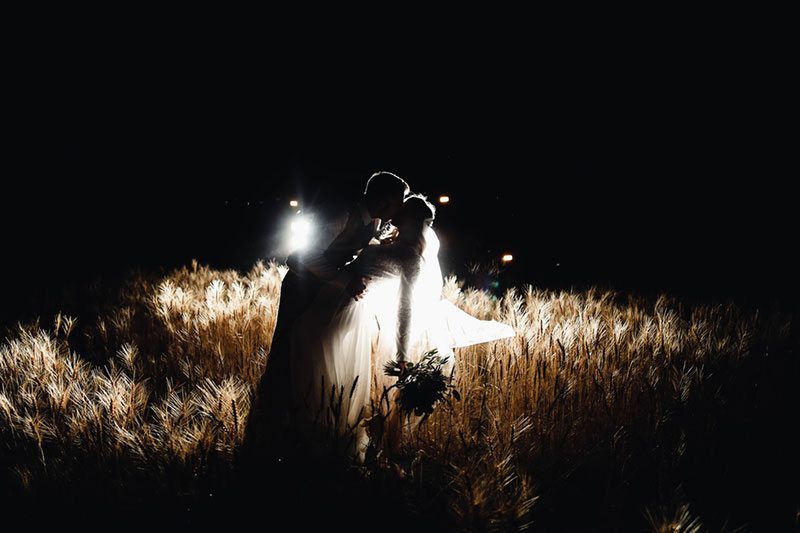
x,y
437,323
428,287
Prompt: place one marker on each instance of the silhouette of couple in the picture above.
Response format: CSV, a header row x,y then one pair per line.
x,y
348,308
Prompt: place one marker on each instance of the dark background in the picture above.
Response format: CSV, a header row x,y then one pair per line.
x,y
645,168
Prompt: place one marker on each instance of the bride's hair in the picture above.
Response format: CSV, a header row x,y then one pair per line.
x,y
418,214
417,207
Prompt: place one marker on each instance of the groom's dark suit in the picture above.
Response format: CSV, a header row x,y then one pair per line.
x,y
307,272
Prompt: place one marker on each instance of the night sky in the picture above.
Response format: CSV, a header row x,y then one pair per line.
x,y
639,170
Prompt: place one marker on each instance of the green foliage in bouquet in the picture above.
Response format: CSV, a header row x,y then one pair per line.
x,y
423,385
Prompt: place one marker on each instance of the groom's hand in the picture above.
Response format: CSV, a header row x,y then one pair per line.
x,y
389,235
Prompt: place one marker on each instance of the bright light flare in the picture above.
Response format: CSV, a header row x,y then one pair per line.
x,y
299,233
444,199
293,203
507,258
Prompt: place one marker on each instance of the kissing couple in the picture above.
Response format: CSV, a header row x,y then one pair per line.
x,y
349,307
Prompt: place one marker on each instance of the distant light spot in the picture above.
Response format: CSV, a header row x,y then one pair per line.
x,y
507,258
444,199
293,203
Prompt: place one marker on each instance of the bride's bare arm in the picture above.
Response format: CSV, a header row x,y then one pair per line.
x,y
408,276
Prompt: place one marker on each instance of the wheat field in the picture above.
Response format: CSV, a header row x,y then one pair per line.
x,y
605,412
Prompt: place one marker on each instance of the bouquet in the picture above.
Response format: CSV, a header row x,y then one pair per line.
x,y
423,384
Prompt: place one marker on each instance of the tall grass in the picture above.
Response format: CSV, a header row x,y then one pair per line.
x,y
602,404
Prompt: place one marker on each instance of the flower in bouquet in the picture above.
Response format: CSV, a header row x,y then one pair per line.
x,y
423,384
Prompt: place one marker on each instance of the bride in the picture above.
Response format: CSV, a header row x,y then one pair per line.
x,y
340,344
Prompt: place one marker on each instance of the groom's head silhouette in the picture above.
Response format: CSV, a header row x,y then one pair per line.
x,y
384,194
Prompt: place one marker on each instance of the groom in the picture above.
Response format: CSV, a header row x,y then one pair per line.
x,y
382,199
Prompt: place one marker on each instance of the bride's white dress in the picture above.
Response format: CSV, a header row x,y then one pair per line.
x,y
340,345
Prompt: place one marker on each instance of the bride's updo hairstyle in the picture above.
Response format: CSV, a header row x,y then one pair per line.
x,y
416,215
417,207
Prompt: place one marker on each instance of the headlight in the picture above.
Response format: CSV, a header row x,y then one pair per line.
x,y
299,233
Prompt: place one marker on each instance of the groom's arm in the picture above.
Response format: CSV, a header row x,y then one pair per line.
x,y
326,265
312,262
356,235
